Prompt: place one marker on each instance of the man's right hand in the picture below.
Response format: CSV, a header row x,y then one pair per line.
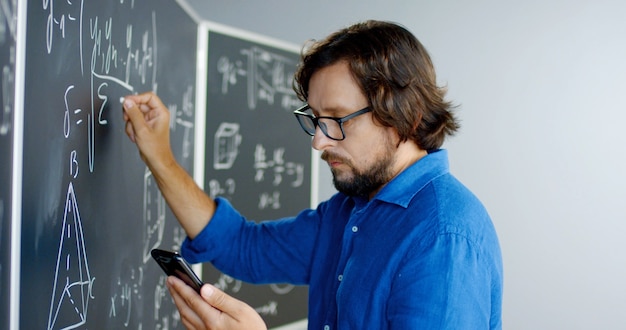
x,y
147,125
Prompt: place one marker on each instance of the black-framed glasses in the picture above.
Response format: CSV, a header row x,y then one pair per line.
x,y
332,127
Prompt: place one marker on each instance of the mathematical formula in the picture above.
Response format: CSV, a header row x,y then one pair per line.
x,y
115,59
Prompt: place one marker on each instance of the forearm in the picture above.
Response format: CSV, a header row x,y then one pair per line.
x,y
191,205
147,125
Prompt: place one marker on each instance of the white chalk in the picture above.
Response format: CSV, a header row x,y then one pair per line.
x,y
122,99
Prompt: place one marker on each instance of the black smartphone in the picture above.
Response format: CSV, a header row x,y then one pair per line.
x,y
174,264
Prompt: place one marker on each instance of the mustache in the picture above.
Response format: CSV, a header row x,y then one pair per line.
x,y
326,156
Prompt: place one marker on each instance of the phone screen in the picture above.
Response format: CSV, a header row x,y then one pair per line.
x,y
174,265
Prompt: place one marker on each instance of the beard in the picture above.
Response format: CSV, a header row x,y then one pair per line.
x,y
366,181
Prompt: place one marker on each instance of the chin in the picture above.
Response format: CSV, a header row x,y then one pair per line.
x,y
341,176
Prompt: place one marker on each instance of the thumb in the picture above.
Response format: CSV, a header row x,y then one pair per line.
x,y
235,314
217,298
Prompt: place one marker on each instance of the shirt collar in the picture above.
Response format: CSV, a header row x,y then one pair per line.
x,y
401,189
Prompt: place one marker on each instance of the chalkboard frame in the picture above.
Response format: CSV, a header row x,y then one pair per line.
x,y
17,152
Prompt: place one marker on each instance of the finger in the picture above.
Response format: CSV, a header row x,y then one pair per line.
x,y
201,311
144,108
189,317
221,301
133,113
130,131
149,99
152,109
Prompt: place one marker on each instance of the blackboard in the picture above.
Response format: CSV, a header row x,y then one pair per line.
x,y
256,155
8,32
91,210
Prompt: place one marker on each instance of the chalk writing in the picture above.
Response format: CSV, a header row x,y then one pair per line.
x,y
164,320
153,216
279,168
120,58
226,189
8,85
8,20
265,75
125,303
228,283
256,161
126,293
226,149
185,119
271,308
278,165
282,288
73,283
178,238
269,200
69,16
8,27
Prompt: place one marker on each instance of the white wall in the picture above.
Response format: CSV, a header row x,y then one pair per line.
x,y
541,87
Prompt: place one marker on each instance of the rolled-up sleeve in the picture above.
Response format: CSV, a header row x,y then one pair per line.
x,y
265,252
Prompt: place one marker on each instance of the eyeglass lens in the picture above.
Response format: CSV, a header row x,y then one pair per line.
x,y
329,127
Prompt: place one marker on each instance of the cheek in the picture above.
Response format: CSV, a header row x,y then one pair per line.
x,y
362,154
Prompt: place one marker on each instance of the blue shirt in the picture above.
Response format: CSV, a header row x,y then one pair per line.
x,y
422,254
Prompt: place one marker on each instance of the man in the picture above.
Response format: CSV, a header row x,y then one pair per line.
x,y
402,245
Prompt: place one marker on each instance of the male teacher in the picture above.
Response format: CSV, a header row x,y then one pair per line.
x,y
402,245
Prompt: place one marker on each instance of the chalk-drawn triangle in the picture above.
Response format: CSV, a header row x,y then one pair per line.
x,y
72,281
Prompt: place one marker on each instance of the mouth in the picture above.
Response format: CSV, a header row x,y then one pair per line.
x,y
331,160
333,163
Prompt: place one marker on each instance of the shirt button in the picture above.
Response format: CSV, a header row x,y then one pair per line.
x,y
326,327
340,277
355,229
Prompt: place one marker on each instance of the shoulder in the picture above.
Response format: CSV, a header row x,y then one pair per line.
x,y
453,211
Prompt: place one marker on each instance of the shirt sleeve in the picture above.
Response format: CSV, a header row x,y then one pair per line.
x,y
266,252
446,283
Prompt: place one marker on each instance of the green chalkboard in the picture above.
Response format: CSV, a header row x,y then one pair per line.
x,y
256,154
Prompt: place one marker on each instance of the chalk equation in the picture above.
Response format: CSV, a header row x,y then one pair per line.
x,y
8,27
227,188
270,308
114,59
227,141
8,86
8,20
265,74
153,215
183,118
277,166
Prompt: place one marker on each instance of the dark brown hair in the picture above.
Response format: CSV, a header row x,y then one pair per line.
x,y
396,74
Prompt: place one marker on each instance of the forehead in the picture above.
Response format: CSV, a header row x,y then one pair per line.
x,y
333,91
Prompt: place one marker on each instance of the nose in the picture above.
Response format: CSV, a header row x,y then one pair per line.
x,y
320,140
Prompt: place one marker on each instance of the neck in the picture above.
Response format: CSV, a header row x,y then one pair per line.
x,y
406,155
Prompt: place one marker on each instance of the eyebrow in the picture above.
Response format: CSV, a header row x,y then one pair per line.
x,y
331,112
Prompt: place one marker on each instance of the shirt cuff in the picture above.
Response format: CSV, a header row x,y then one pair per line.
x,y
209,242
